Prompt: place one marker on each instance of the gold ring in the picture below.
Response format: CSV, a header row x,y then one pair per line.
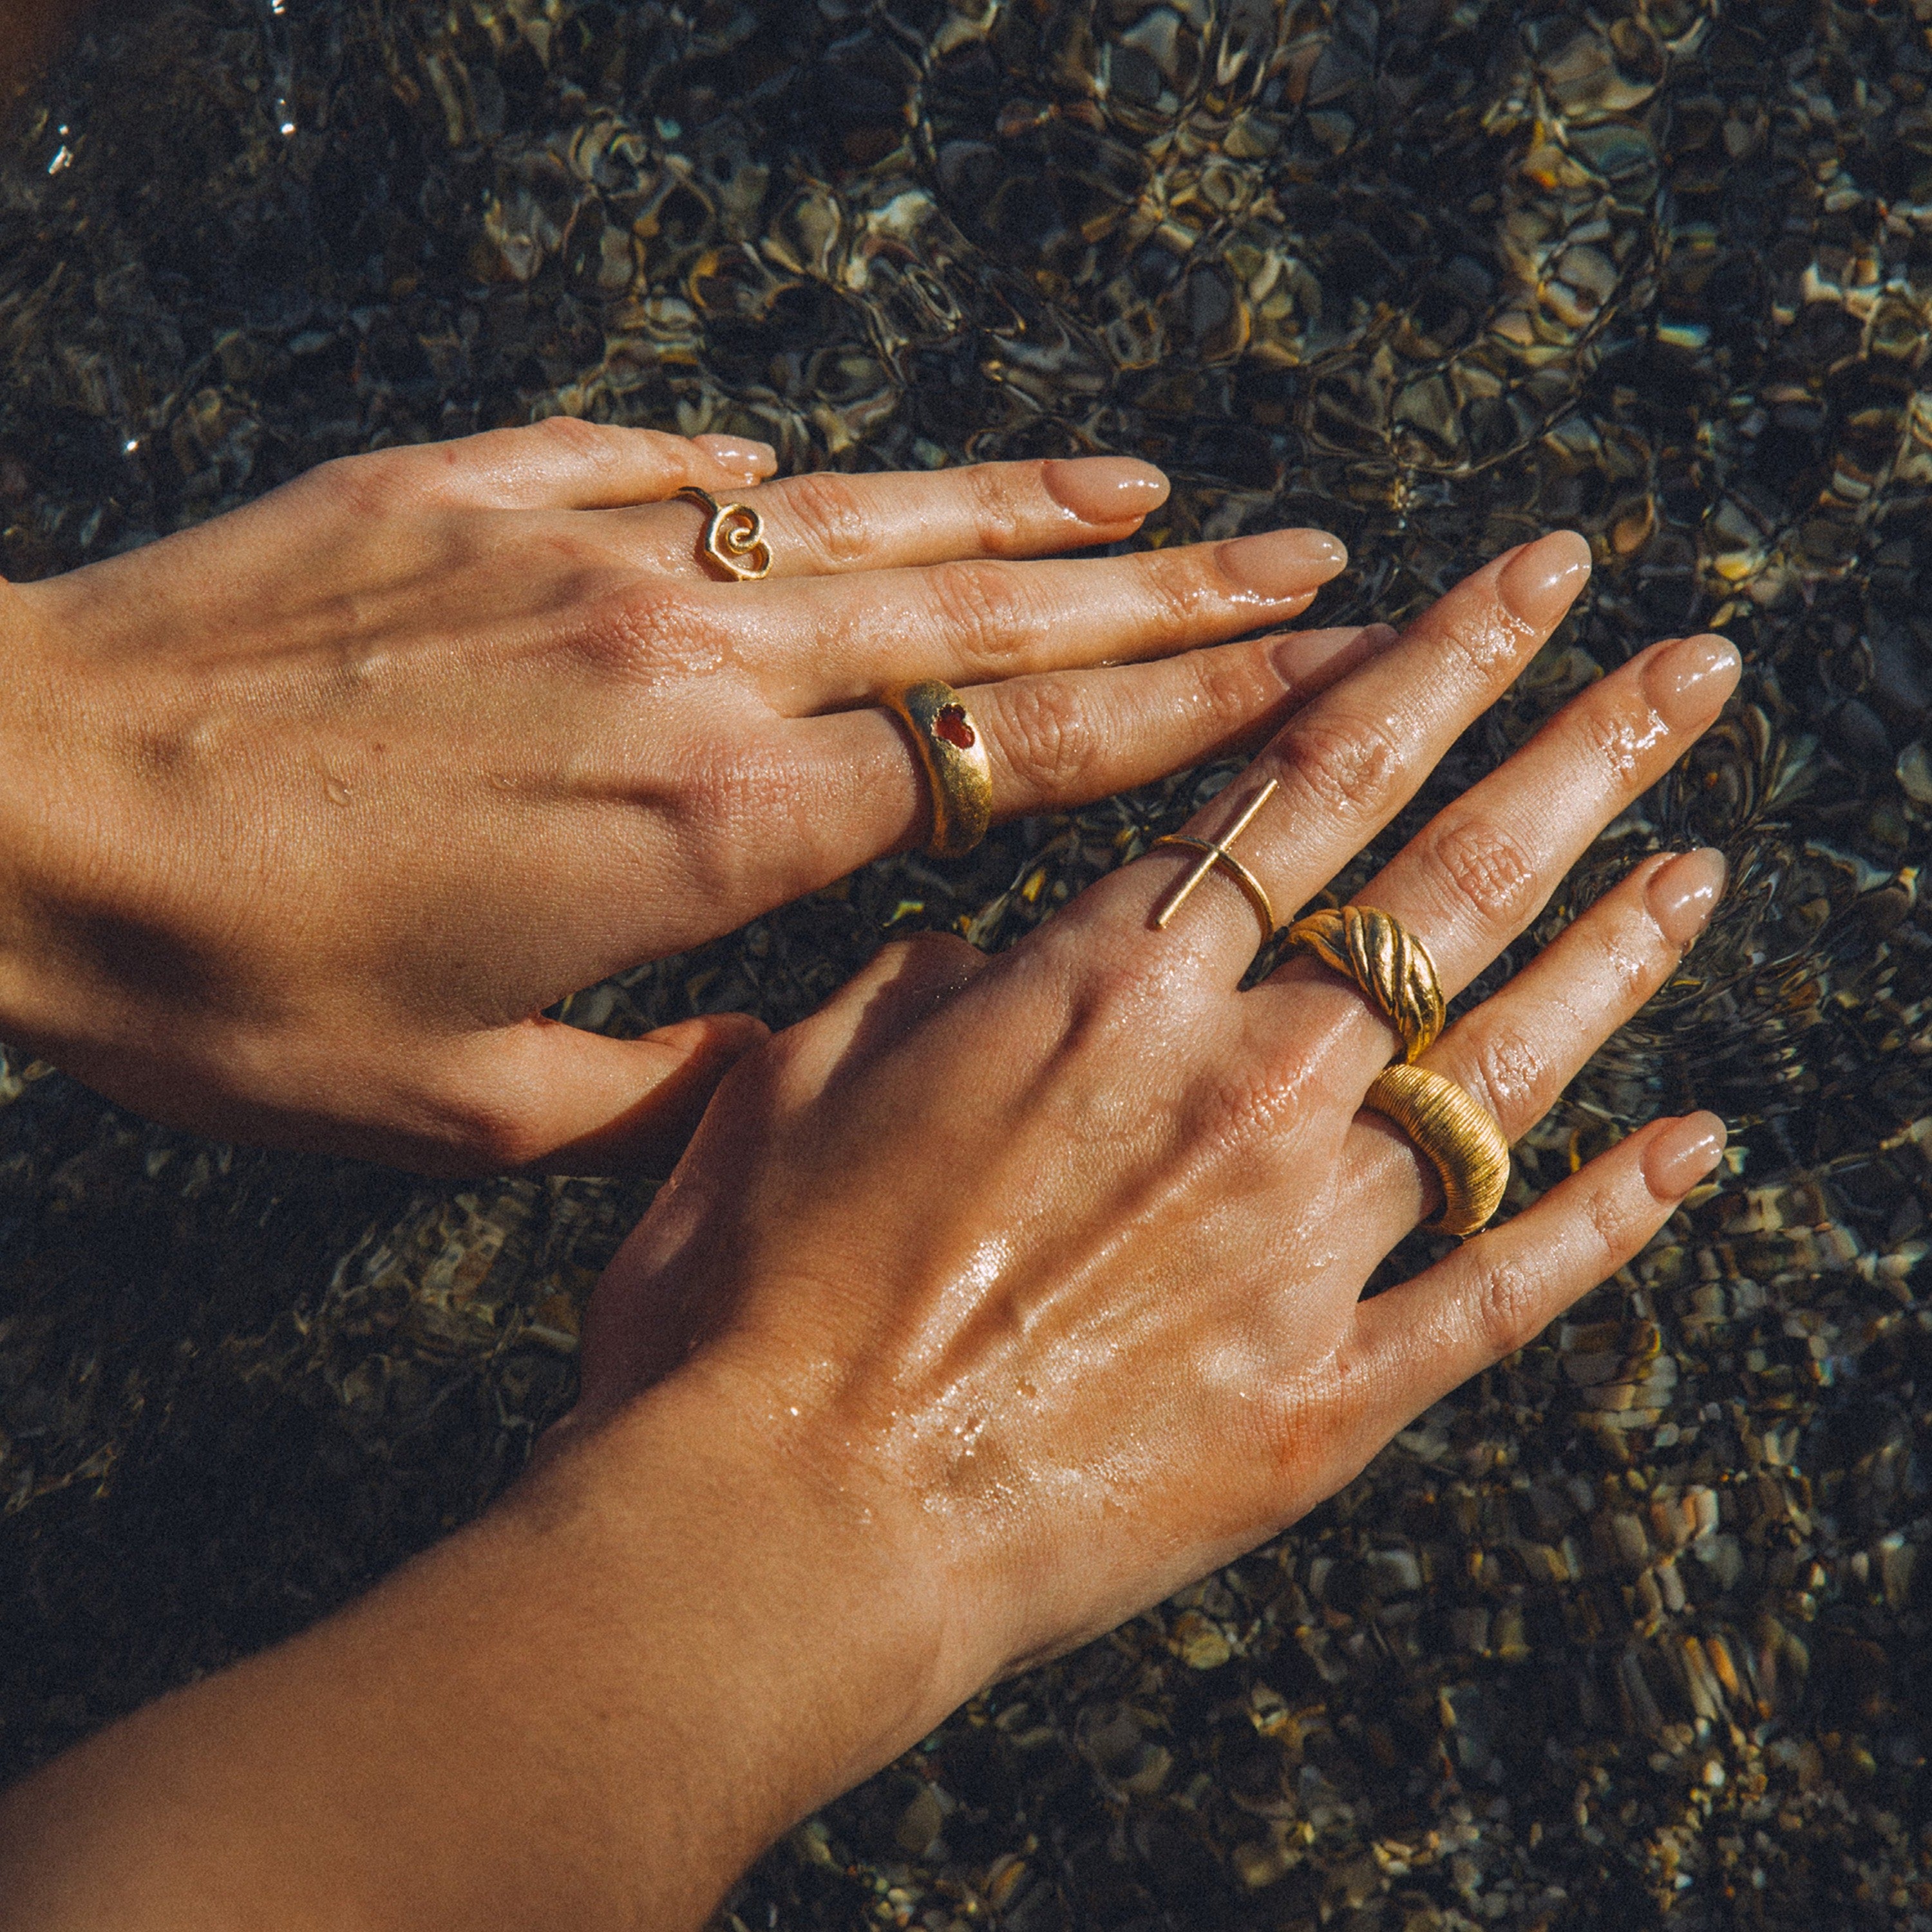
x,y
1214,852
734,539
958,772
1387,961
1463,1142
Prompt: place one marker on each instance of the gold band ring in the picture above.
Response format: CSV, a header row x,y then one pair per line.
x,y
1387,961
734,539
958,773
1214,852
1461,1140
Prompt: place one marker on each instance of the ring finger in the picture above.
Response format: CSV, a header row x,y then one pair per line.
x,y
1516,1052
1476,875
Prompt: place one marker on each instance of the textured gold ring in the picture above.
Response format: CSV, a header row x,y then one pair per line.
x,y
1461,1140
1387,961
734,539
958,772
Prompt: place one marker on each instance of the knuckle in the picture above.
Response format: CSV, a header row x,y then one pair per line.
x,y
1509,1077
1349,766
1504,1305
646,631
572,435
982,609
1488,868
1174,584
994,491
1259,1098
1233,687
829,515
369,485
1046,736
1615,731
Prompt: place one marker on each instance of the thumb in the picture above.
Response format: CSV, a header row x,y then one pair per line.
x,y
564,1101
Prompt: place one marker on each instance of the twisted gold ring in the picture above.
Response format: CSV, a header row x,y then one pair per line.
x,y
1214,852
958,772
1387,961
734,539
1461,1140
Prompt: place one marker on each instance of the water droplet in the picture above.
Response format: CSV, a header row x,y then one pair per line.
x,y
337,788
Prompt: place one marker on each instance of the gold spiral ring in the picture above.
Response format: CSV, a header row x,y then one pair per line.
x,y
734,539
1460,1139
1387,961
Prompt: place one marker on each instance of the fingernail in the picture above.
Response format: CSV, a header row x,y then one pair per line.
x,y
1284,563
1681,1154
1683,895
1540,582
1305,658
742,452
1690,680
1104,489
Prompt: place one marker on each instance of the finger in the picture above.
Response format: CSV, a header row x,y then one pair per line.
x,y
552,1097
1476,875
1410,1345
829,521
829,642
1345,765
1066,738
563,463
1518,1051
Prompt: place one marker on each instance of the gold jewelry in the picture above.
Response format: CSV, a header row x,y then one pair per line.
x,y
1461,1140
958,772
1214,852
734,539
1387,961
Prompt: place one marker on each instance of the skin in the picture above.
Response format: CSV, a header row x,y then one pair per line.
x,y
308,813
986,1307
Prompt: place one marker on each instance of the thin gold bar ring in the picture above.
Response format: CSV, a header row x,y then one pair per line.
x,y
1215,853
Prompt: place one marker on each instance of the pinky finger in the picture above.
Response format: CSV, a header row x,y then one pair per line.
x,y
1497,1293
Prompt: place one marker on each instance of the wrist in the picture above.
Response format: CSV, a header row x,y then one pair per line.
x,y
43,795
668,1642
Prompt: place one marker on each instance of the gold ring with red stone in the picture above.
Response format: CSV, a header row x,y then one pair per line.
x,y
958,773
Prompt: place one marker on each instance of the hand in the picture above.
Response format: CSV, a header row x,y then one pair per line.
x,y
986,1307
309,813
1047,1267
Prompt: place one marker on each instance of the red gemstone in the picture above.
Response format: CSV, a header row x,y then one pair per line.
x,y
951,725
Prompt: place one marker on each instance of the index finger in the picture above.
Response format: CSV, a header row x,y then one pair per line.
x,y
1346,764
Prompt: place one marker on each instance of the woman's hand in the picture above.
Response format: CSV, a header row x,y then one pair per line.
x,y
986,1307
307,813
1047,1266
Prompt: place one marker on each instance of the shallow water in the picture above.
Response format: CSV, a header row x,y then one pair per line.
x,y
1633,1624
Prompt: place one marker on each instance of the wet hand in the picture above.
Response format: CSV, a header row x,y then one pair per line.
x,y
1047,1268
311,812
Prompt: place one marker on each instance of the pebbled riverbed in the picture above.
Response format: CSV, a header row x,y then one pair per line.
x,y
1632,1630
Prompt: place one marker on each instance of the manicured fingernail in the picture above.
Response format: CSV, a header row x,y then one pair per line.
x,y
1689,680
1306,660
742,452
1104,489
1540,582
1683,895
1681,1154
1284,563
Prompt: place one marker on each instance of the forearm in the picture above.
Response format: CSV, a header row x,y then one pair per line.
x,y
593,1708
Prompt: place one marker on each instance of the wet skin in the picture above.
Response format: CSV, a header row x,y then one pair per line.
x,y
309,812
987,1307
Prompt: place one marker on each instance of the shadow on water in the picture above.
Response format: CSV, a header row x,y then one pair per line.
x,y
1633,1624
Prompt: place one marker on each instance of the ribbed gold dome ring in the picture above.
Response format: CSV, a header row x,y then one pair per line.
x,y
1387,961
1461,1140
